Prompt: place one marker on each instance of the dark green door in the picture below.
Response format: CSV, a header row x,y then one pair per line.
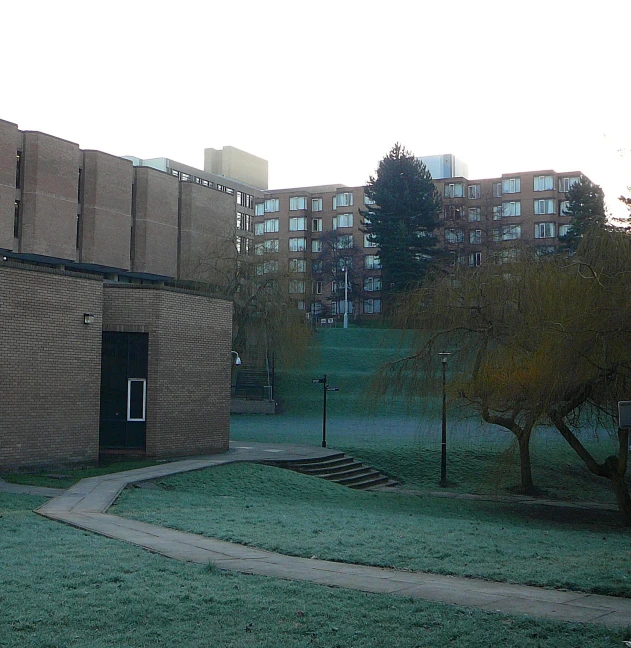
x,y
123,391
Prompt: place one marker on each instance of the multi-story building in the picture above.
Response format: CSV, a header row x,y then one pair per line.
x,y
494,215
315,235
126,218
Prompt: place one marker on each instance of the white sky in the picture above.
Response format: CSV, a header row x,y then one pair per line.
x,y
324,89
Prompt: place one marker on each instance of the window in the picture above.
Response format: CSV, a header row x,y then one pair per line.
x,y
298,265
259,209
316,267
372,262
301,304
475,259
475,237
244,222
316,204
297,202
297,286
259,229
546,206
16,221
271,224
372,284
454,190
372,306
454,236
473,191
267,247
474,214
344,242
18,169
511,232
272,205
368,243
497,212
368,200
342,220
77,233
244,199
206,183
563,208
564,230
543,183
544,230
511,185
317,287
340,306
136,399
186,177
316,225
497,190
298,224
565,184
343,200
316,245
267,267
228,190
175,172
512,208
542,250
297,244
453,212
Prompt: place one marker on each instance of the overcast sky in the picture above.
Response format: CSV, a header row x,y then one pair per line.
x,y
324,89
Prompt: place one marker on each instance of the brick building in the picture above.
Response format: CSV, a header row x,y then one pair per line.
x,y
94,367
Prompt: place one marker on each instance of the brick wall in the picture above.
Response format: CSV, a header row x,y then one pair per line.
x,y
107,196
49,368
50,196
188,384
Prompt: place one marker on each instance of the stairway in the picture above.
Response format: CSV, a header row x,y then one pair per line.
x,y
340,469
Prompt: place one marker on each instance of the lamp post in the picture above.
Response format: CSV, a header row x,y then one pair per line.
x,y
326,388
345,295
443,446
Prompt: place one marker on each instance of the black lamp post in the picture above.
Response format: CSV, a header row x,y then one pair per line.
x,y
443,447
326,388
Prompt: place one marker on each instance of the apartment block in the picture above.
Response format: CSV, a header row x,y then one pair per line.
x,y
314,235
491,217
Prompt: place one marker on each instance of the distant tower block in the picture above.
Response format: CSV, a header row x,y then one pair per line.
x,y
239,165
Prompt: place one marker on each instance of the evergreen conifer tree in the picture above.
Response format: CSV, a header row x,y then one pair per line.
x,y
403,218
586,208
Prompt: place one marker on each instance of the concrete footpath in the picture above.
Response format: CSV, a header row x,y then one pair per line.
x,y
85,505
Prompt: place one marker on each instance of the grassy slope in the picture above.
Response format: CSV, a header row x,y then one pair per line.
x,y
405,441
61,587
283,511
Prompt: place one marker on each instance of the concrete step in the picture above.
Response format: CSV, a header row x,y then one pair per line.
x,y
342,470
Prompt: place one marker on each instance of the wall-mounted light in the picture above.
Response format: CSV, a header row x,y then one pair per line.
x,y
88,318
237,359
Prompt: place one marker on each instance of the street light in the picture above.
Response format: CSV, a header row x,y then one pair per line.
x,y
443,447
326,388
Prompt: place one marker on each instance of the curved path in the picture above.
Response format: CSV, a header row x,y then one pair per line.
x,y
85,504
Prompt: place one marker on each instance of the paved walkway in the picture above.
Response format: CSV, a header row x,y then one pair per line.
x,y
84,506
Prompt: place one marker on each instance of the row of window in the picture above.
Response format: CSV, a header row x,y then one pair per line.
x,y
296,203
371,262
299,224
509,186
507,208
370,306
299,244
298,286
505,233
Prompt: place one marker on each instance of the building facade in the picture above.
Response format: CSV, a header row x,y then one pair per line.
x,y
492,217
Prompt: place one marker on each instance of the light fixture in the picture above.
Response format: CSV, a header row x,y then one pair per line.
x,y
88,318
237,359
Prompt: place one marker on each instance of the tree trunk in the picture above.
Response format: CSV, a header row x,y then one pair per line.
x,y
622,496
527,485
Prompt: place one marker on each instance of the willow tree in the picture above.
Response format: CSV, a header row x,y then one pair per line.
x,y
537,340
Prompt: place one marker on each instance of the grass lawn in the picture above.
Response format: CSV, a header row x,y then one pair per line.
x,y
290,513
61,587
